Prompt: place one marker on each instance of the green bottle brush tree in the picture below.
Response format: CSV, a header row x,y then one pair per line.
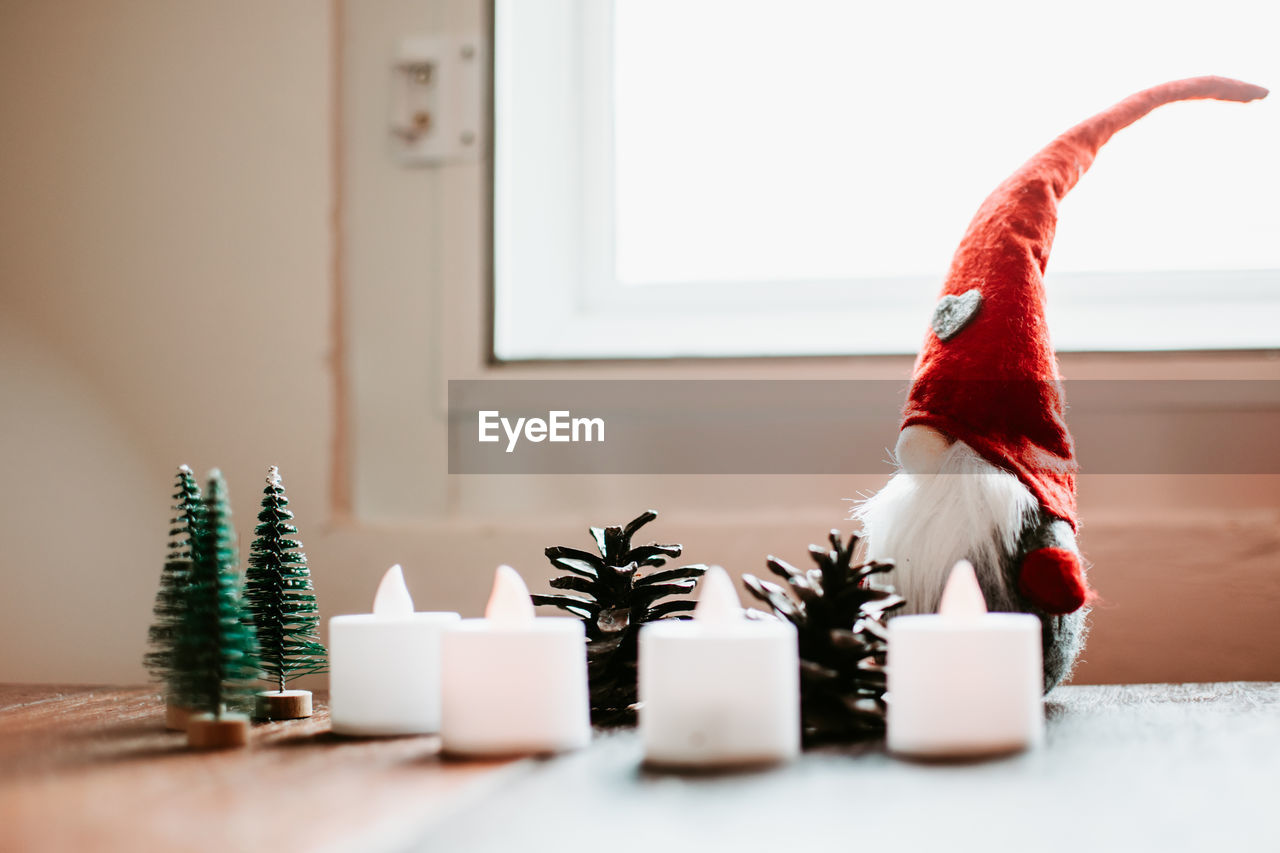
x,y
282,604
171,597
214,653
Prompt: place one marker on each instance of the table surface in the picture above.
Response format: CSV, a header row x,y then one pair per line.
x,y
1168,767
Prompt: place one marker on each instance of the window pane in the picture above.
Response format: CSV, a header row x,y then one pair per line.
x,y
818,139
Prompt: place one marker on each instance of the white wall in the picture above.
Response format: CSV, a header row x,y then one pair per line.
x,y
167,241
175,287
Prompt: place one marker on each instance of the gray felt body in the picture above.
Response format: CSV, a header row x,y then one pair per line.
x,y
1062,636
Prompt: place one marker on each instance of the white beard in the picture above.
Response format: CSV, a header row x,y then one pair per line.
x,y
925,523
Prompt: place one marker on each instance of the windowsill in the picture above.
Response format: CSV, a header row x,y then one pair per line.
x,y
1088,312
1197,364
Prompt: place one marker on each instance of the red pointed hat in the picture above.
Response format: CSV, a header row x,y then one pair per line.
x,y
987,374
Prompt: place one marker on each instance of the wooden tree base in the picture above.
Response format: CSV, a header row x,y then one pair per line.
x,y
176,717
204,731
283,705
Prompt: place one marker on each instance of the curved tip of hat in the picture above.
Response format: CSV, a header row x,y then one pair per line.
x,y
1233,90
1250,92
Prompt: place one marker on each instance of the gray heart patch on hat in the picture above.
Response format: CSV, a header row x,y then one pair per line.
x,y
954,313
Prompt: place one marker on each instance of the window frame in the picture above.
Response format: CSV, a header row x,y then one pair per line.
x,y
554,295
412,310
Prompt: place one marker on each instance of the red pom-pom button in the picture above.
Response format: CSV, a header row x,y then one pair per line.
x,y
1053,581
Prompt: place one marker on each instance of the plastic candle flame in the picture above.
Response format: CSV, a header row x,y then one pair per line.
x,y
509,603
393,597
962,597
718,602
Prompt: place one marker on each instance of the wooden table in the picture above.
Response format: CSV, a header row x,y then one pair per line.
x,y
1142,767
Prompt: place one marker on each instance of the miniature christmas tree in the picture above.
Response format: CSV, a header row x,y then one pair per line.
x,y
171,597
617,599
840,622
214,651
282,601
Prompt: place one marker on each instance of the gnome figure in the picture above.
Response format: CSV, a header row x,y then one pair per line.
x,y
986,466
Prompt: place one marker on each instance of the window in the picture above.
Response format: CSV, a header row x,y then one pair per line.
x,y
790,177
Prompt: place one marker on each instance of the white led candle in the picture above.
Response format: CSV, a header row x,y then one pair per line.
x,y
514,683
384,667
964,682
720,689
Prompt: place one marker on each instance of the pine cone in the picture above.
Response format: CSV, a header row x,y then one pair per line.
x,y
616,599
840,622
